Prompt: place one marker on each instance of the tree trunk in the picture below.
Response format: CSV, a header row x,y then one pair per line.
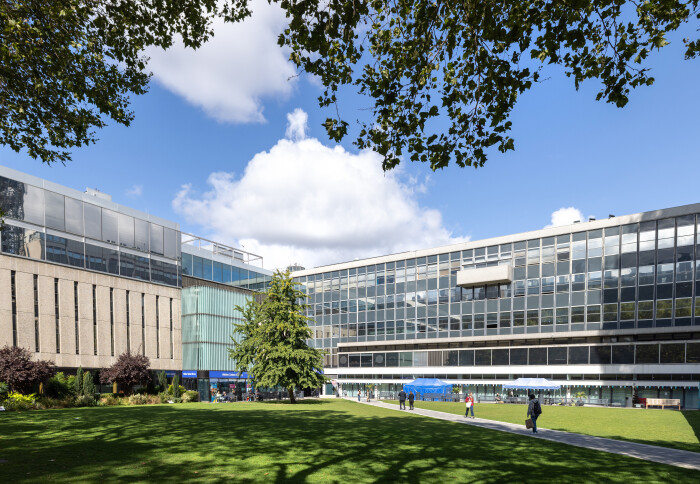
x,y
290,390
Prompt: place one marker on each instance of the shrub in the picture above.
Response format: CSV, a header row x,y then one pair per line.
x,y
78,382
4,389
180,388
138,400
153,399
20,372
165,397
127,371
17,401
109,400
44,402
190,396
177,387
85,401
57,386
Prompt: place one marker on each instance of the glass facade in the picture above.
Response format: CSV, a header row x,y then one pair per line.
x,y
45,225
223,268
639,275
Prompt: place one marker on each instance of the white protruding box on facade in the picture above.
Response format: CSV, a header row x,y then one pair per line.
x,y
485,275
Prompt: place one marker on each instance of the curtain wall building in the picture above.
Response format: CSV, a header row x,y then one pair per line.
x,y
609,308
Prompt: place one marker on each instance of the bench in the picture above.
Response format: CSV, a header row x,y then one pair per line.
x,y
663,402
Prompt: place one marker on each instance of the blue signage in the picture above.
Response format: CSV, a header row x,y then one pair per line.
x,y
227,374
170,373
189,374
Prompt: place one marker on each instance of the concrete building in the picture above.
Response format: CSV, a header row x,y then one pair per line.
x,y
84,279
608,308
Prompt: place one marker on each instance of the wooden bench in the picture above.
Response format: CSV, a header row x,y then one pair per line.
x,y
663,402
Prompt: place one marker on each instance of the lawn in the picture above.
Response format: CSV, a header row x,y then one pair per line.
x,y
314,441
667,428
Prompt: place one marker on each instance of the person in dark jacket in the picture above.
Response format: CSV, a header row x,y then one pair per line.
x,y
531,412
411,397
402,400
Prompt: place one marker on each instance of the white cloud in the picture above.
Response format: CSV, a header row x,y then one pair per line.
x,y
305,202
230,75
566,216
134,191
297,123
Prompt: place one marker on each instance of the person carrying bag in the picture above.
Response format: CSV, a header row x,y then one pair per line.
x,y
470,405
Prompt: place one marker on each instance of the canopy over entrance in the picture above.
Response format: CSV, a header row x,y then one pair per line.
x,y
427,385
533,384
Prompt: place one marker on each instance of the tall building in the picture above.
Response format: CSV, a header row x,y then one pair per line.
x,y
609,308
84,279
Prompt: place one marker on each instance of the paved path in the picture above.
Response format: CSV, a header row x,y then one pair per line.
x,y
653,453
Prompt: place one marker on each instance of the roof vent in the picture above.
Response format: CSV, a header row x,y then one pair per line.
x,y
611,216
591,219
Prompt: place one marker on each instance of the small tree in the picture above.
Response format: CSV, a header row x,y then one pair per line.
x,y
88,386
271,341
127,371
162,381
176,386
20,372
79,382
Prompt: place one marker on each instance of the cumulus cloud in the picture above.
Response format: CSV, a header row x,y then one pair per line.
x,y
297,123
229,76
134,191
566,216
304,202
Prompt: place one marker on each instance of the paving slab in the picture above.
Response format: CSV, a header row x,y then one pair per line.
x,y
653,453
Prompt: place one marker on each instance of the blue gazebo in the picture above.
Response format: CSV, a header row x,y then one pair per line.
x,y
428,386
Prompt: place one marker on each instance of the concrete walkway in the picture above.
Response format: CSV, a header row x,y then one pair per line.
x,y
653,453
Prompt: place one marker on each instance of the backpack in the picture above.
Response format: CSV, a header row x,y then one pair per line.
x,y
536,409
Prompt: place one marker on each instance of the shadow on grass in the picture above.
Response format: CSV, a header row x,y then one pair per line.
x,y
329,441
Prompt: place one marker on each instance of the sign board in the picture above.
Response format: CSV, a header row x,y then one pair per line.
x,y
170,373
228,374
189,374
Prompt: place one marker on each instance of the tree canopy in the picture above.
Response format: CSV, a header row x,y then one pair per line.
x,y
67,66
442,77
19,371
127,371
270,342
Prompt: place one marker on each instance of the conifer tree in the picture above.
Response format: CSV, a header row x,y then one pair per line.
x,y
78,384
270,343
88,385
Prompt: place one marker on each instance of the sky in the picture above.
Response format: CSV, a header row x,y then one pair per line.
x,y
228,142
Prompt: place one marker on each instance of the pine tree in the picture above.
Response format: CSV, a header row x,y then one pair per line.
x,y
88,385
176,386
271,344
163,381
78,385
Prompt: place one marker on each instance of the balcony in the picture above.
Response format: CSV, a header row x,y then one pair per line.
x,y
485,275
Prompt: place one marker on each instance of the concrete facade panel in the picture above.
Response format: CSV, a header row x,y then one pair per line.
x,y
47,273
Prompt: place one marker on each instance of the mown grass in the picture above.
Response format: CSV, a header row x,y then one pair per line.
x,y
667,428
314,441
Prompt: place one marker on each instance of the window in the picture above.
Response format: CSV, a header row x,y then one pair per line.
x,y
111,320
172,352
77,330
57,315
36,313
110,224
94,319
55,210
126,231
13,293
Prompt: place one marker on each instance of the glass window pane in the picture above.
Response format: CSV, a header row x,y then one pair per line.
x,y
23,242
74,216
169,243
93,221
141,234
126,231
110,221
94,258
55,210
33,205
156,239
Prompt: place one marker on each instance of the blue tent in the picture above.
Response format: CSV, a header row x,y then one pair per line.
x,y
423,386
532,384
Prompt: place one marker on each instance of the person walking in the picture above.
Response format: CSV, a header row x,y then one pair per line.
x,y
534,410
411,397
359,395
402,400
469,400
368,394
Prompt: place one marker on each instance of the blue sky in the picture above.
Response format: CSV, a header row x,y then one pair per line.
x,y
571,151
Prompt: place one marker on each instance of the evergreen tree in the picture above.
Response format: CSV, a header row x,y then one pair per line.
x,y
78,383
176,387
270,343
162,381
88,385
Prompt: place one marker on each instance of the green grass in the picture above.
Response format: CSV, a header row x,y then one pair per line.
x,y
314,441
666,428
